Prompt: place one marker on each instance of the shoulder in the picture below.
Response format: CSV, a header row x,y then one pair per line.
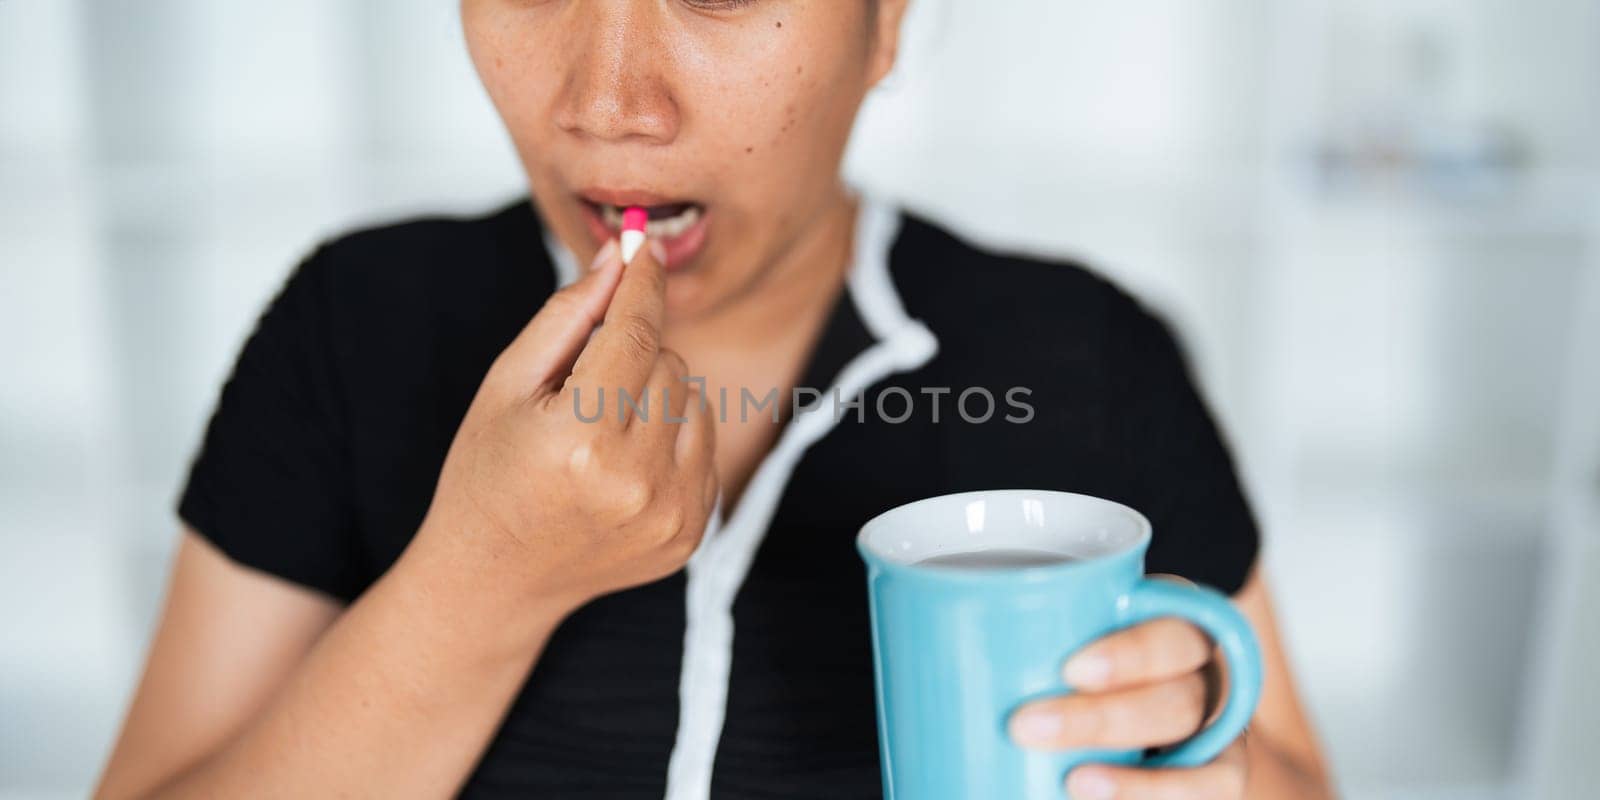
x,y
985,304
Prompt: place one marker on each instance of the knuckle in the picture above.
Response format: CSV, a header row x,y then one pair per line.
x,y
581,456
638,332
633,493
673,521
673,361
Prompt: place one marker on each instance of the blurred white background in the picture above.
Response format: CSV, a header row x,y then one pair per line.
x,y
1375,221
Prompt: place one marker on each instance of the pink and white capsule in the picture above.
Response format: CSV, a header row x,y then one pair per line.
x,y
634,219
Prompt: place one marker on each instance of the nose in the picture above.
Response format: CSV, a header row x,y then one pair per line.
x,y
616,86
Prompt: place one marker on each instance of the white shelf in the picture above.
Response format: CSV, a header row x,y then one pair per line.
x,y
1538,202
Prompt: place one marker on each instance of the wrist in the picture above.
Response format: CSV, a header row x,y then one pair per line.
x,y
479,586
1276,773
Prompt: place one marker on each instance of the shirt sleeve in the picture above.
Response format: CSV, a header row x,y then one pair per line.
x,y
269,485
1182,475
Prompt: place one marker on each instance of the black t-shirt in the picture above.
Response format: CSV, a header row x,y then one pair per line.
x,y
323,452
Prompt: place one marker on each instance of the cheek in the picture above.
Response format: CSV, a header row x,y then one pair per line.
x,y
781,113
512,65
805,117
816,113
789,83
484,44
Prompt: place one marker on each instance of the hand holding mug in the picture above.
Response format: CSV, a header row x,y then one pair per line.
x,y
1017,641
1152,685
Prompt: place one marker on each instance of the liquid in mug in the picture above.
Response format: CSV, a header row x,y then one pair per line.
x,y
998,558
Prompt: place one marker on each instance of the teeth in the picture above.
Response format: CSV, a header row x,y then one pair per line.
x,y
674,226
656,228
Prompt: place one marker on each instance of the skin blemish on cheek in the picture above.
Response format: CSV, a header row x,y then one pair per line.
x,y
749,150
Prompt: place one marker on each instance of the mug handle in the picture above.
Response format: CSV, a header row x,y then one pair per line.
x,y
1212,612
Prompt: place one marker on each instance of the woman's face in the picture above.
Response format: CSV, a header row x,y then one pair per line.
x,y
727,118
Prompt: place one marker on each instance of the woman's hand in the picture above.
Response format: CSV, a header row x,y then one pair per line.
x,y
1147,686
571,506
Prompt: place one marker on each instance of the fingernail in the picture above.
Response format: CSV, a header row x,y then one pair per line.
x,y
1088,671
658,251
1036,727
605,255
1090,783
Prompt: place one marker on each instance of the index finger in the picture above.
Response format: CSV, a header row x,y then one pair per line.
x,y
1157,650
622,353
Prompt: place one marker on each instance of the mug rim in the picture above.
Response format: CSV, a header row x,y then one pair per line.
x,y
1137,545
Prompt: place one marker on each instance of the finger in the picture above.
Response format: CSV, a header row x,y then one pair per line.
x,y
696,446
1223,779
697,437
1154,651
622,354
543,352
1154,715
666,395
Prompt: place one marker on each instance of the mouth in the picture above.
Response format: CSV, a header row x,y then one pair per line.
x,y
679,225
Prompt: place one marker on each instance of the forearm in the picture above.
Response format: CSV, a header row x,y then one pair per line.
x,y
1274,773
398,698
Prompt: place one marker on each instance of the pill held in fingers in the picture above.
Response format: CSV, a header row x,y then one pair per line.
x,y
634,220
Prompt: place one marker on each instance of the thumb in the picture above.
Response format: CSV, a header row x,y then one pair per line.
x,y
545,350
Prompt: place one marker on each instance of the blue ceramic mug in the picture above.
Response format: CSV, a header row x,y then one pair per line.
x,y
977,601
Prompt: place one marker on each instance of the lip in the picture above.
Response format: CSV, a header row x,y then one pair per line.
x,y
680,249
627,197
